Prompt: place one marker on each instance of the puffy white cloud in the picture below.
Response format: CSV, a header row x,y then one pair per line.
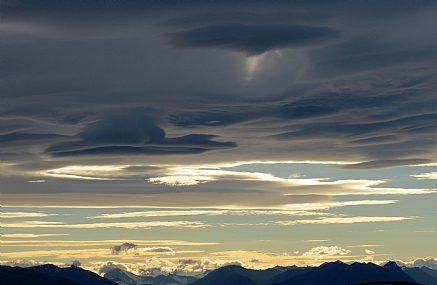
x,y
430,262
321,252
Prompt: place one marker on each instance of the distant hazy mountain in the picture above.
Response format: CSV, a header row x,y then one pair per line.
x,y
429,271
23,276
126,278
222,275
422,275
73,273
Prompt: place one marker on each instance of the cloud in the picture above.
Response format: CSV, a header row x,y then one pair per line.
x,y
10,215
124,247
429,262
127,225
368,251
321,252
160,250
31,235
76,263
252,39
342,220
430,175
24,263
82,243
385,163
132,132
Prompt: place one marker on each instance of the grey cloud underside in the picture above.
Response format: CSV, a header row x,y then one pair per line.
x,y
252,39
393,124
132,132
385,163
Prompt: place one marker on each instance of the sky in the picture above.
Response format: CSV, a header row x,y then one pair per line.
x,y
164,136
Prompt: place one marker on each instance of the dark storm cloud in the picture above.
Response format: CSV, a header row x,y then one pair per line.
x,y
132,132
252,39
352,80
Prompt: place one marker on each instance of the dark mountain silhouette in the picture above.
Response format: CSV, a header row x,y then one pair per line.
x,y
340,273
420,275
219,276
291,272
388,283
73,273
331,273
23,276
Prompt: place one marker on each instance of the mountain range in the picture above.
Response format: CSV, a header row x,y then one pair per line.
x,y
330,273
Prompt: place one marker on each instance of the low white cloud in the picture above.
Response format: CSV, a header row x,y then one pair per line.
x,y
26,263
368,251
10,215
321,252
160,250
81,243
30,235
342,220
127,225
430,175
148,214
430,262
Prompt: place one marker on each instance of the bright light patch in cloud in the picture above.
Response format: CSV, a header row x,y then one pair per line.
x,y
257,63
368,251
190,176
87,172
